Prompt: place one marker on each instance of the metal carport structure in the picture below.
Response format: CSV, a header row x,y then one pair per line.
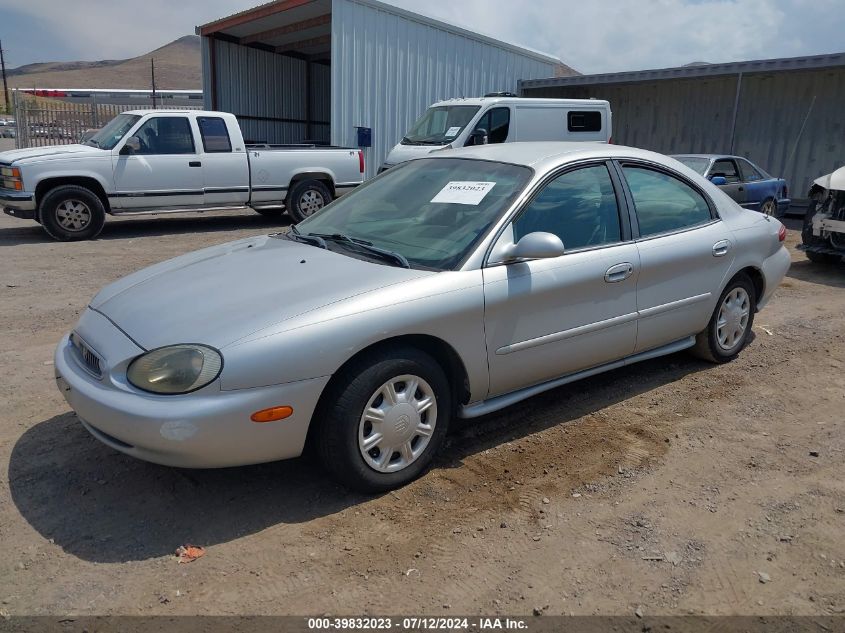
x,y
294,70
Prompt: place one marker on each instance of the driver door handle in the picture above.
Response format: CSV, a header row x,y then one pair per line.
x,y
194,163
619,272
721,248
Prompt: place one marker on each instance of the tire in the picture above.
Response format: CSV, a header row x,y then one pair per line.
x,y
305,198
70,213
822,258
769,207
720,343
345,427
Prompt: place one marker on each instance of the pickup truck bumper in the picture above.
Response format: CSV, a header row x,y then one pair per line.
x,y
19,204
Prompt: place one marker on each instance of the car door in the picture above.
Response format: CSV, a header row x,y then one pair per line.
x,y
726,168
225,170
165,172
685,252
549,317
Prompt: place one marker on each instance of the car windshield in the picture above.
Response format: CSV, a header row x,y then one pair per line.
x,y
696,163
440,125
113,131
431,211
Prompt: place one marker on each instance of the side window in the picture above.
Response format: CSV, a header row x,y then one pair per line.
x,y
215,136
663,202
578,206
749,174
583,121
166,135
497,122
727,168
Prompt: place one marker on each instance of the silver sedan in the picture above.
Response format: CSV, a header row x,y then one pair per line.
x,y
453,285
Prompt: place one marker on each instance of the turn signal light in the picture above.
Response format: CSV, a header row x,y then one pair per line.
x,y
272,414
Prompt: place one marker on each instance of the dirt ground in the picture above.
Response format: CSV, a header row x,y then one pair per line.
x,y
672,486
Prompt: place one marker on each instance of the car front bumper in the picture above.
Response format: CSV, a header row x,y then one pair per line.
x,y
209,428
20,204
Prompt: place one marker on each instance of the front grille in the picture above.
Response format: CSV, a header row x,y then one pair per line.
x,y
87,355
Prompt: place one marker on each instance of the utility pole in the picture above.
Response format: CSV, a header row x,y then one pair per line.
x,y
153,76
5,85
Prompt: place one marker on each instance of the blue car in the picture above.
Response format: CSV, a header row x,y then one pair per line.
x,y
742,180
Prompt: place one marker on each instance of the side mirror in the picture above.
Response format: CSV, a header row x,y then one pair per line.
x,y
719,180
537,245
478,137
132,145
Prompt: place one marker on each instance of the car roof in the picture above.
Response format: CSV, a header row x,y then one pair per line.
x,y
708,156
577,103
541,155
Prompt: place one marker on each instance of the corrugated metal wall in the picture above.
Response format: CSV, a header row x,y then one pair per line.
x,y
694,116
387,68
267,92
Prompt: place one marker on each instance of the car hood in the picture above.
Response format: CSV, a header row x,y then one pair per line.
x,y
221,294
835,180
41,153
401,153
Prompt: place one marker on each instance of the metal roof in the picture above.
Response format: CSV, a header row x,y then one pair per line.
x,y
812,62
249,26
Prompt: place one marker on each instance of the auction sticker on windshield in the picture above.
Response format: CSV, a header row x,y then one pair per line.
x,y
452,131
463,192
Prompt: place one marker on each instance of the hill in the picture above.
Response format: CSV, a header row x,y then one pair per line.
x,y
178,67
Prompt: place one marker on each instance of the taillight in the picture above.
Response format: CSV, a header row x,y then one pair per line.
x,y
781,233
610,140
360,161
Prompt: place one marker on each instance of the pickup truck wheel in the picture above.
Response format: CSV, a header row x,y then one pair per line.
x,y
383,419
306,198
70,213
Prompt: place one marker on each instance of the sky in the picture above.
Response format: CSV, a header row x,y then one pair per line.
x,y
592,36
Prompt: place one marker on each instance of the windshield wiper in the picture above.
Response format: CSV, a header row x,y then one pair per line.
x,y
296,236
363,245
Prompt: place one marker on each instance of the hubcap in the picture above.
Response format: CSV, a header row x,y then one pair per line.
x,y
73,215
397,423
310,202
733,319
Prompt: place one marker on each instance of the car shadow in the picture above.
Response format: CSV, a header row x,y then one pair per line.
x,y
153,226
103,506
832,274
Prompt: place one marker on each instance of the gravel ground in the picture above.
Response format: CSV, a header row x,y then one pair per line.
x,y
671,486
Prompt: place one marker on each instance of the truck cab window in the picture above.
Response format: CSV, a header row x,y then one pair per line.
x,y
166,135
215,136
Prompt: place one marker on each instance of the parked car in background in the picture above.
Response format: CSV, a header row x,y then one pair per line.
x,y
160,161
823,233
742,180
456,284
502,118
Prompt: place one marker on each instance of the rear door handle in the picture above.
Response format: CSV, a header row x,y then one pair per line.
x,y
619,272
721,248
194,163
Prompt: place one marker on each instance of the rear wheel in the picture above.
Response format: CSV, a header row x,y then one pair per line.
x,y
769,207
70,212
730,325
307,197
384,419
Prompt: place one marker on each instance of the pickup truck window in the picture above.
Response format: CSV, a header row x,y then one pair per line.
x,y
166,135
113,131
215,136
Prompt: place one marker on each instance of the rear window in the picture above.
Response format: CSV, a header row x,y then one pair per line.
x,y
215,136
584,121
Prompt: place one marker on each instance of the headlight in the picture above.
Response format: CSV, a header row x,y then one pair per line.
x,y
175,369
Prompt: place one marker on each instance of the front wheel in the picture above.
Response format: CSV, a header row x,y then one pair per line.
x,y
384,419
730,325
70,212
305,198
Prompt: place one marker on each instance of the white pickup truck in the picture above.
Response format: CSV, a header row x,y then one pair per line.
x,y
159,161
